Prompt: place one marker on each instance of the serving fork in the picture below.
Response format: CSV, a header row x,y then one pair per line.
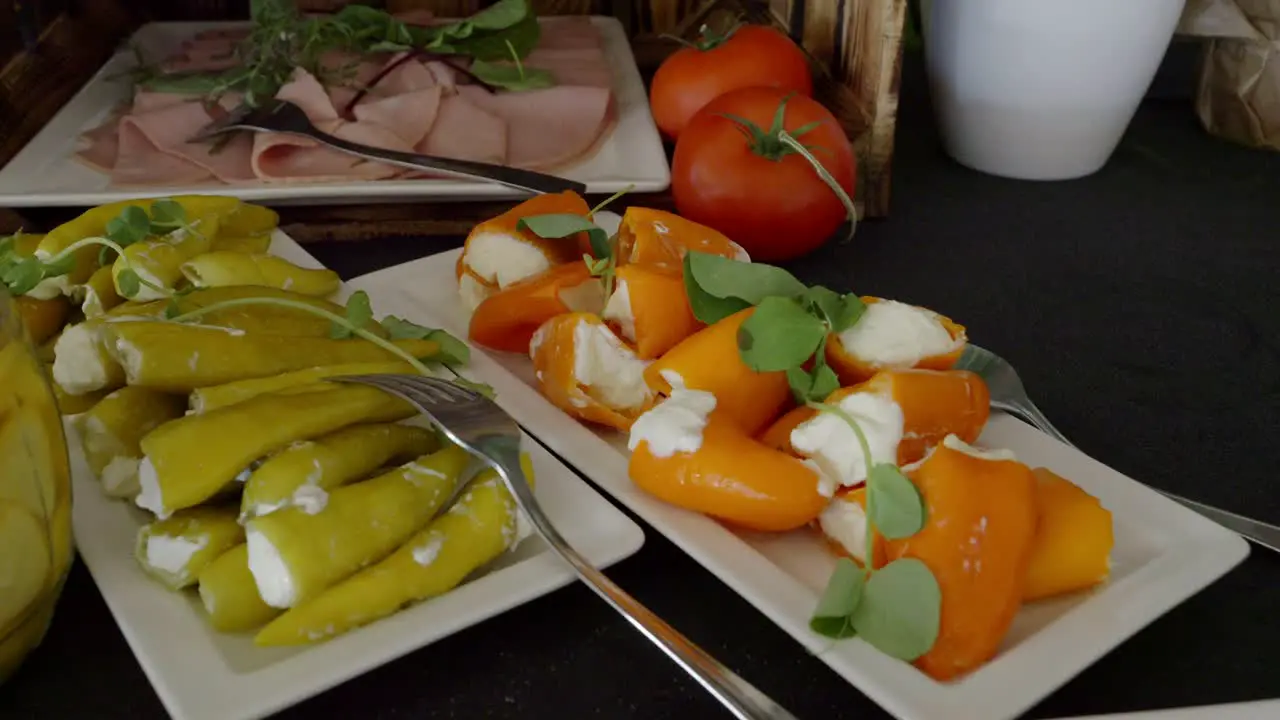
x,y
283,116
476,424
1010,395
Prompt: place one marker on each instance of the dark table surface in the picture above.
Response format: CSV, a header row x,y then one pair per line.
x,y
1141,306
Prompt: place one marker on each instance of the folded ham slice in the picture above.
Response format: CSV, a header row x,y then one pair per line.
x,y
465,132
157,141
550,127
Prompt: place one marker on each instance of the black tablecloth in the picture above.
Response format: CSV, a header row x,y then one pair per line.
x,y
1141,306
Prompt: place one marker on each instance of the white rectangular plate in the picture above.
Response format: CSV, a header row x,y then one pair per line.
x,y
201,674
1163,553
43,173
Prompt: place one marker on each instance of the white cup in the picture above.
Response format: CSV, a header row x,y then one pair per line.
x,y
1041,89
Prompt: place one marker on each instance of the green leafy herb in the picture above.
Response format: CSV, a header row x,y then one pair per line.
x,y
167,214
562,225
128,283
513,75
834,614
452,350
359,314
22,275
812,385
900,610
59,265
130,226
895,507
780,335
839,311
719,287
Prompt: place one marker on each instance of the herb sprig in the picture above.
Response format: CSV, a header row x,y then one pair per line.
x,y
789,329
896,607
283,39
603,259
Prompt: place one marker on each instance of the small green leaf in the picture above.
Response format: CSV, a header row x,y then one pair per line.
x,y
851,310
901,609
130,226
727,279
105,256
60,265
167,213
814,385
173,309
896,508
452,350
359,313
706,307
779,335
22,276
128,283
833,617
510,76
562,225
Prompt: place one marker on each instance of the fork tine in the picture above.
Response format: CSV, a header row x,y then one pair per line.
x,y
224,124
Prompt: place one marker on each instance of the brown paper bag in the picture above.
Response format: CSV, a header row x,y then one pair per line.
x,y
1238,95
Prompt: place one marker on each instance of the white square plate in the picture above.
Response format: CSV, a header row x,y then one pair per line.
x,y
44,173
201,674
1163,552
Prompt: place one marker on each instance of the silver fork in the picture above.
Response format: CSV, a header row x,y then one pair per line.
x,y
283,116
477,424
1009,394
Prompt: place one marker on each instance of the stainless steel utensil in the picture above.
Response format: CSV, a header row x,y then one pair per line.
x,y
1009,394
477,424
285,117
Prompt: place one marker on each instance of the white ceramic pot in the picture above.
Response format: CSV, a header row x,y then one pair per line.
x,y
1041,89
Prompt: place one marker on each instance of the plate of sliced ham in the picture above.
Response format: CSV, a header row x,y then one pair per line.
x,y
119,139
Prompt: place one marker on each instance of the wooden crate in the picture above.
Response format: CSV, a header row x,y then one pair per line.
x,y
49,48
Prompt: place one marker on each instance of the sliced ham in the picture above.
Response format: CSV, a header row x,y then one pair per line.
x,y
550,127
465,132
408,115
421,104
101,145
169,129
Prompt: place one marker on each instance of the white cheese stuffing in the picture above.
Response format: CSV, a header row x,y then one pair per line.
x,y
172,554
675,425
497,259
78,365
895,334
844,522
832,445
953,442
472,292
150,497
618,310
609,369
270,572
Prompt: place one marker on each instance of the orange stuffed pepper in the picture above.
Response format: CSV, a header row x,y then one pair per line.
x,y
648,236
980,510
685,451
1074,537
904,414
508,319
588,372
650,308
894,335
497,254
709,360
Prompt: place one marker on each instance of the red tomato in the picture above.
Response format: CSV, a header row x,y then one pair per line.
x,y
753,55
763,195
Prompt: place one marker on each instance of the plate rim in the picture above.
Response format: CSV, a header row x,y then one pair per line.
x,y
770,589
26,160
295,676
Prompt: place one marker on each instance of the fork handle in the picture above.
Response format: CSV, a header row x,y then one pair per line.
x,y
737,695
1261,533
528,180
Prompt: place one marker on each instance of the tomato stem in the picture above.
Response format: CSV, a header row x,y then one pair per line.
x,y
796,146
